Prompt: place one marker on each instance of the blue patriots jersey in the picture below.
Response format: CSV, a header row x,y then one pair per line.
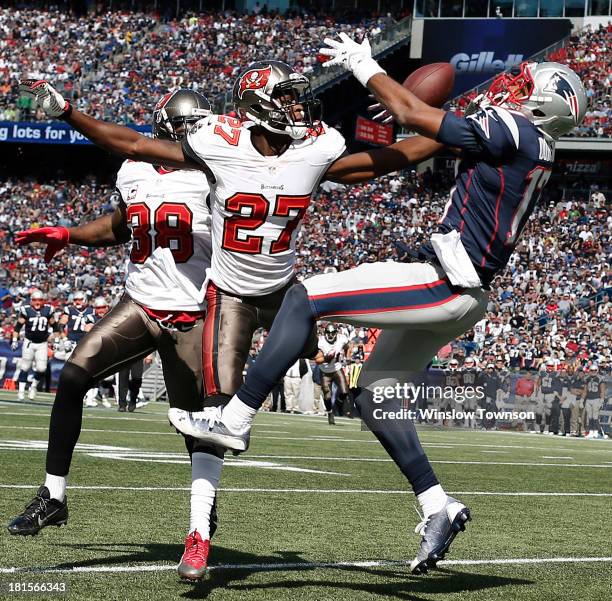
x,y
36,322
505,162
77,320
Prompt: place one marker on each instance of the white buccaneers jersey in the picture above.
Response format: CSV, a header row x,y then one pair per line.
x,y
257,202
337,348
171,240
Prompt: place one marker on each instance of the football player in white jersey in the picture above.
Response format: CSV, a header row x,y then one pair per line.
x,y
165,214
263,170
334,347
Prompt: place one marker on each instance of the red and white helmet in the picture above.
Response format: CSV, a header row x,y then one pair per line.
x,y
79,300
100,306
275,96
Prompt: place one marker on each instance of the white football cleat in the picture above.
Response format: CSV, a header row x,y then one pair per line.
x,y
207,425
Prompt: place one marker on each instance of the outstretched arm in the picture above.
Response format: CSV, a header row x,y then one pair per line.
x,y
128,143
364,166
114,138
108,230
405,107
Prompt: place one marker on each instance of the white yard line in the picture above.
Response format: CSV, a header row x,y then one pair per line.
x,y
260,567
334,491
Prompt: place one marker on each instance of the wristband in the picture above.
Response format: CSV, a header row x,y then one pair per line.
x,y
67,112
365,69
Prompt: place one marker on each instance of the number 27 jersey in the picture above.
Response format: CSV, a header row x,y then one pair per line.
x,y
257,201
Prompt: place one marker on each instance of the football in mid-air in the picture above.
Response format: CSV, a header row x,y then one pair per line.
x,y
432,83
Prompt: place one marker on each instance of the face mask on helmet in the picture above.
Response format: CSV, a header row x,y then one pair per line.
x,y
176,112
287,107
551,95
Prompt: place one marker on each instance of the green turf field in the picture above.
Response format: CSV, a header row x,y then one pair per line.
x,y
310,513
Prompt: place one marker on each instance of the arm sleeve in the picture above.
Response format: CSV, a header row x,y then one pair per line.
x,y
489,133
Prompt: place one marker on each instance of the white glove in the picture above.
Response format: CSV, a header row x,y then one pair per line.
x,y
14,344
46,97
352,56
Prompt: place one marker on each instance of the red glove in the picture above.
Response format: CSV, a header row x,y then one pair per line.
x,y
56,238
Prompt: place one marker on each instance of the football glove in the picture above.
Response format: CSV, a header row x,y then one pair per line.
x,y
56,238
46,97
355,57
15,344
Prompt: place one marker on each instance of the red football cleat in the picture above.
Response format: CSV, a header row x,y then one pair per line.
x,y
194,562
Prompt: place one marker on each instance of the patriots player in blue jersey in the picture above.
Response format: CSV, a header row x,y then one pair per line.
x,y
77,319
37,320
506,150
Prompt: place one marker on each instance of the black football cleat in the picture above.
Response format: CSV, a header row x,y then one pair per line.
x,y
437,533
131,406
331,420
42,511
122,407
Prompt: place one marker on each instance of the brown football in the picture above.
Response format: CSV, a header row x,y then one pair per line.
x,y
432,83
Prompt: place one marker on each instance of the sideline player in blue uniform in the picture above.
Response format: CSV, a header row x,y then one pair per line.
x,y
37,320
507,150
77,319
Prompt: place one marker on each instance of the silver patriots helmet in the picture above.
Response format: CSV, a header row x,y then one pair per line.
x,y
551,95
273,95
179,108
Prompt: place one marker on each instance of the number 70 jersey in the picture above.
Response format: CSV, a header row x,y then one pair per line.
x,y
257,201
169,218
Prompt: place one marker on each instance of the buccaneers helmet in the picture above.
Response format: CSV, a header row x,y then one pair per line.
x,y
273,95
179,108
550,95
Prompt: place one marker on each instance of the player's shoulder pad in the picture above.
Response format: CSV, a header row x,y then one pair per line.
x,y
491,117
328,142
128,173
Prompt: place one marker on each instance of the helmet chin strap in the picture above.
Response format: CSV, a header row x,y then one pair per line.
x,y
292,131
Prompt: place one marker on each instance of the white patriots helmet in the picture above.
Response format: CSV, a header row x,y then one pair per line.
x,y
549,94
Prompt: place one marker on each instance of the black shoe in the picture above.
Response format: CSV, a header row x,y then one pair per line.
x,y
122,407
131,406
331,420
40,512
214,518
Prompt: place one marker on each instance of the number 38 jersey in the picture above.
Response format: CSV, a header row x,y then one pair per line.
x,y
258,201
170,223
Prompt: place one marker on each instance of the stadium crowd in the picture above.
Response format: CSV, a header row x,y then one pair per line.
x,y
112,64
553,302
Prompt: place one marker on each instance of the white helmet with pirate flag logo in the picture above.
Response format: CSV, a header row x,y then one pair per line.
x,y
551,95
181,108
273,95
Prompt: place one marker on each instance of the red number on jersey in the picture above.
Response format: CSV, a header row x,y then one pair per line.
x,y
173,227
138,220
259,207
284,204
173,223
233,135
259,210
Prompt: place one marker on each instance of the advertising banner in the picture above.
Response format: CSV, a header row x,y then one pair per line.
x,y
481,48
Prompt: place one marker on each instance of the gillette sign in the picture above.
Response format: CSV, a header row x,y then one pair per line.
x,y
478,49
484,62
